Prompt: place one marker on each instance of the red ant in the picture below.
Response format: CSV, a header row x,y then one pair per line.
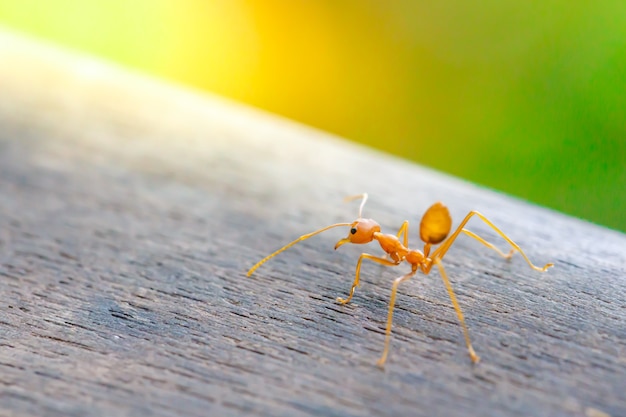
x,y
434,227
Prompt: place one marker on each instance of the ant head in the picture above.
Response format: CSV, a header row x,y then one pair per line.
x,y
361,231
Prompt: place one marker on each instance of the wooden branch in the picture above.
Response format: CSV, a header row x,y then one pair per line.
x,y
130,211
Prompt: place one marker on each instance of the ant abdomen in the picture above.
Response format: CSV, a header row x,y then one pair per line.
x,y
436,224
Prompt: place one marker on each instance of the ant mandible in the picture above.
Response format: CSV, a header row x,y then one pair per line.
x,y
434,228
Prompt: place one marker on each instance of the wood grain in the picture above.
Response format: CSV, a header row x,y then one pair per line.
x,y
130,211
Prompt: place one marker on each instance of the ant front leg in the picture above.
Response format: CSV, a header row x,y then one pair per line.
x,y
355,284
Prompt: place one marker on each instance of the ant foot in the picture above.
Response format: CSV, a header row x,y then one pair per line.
x,y
342,300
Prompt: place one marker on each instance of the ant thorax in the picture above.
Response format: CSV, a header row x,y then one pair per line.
x,y
392,245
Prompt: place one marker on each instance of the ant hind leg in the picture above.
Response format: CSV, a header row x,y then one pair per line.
x,y
392,302
475,358
440,252
489,245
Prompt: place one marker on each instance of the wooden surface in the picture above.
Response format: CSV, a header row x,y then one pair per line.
x,y
130,211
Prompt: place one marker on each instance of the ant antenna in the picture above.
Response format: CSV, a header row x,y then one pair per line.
x,y
288,245
355,197
304,237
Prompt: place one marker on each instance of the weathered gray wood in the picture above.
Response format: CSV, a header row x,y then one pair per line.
x,y
130,211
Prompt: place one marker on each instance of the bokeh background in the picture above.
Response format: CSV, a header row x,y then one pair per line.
x,y
527,97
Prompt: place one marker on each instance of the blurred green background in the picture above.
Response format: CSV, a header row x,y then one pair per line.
x,y
525,97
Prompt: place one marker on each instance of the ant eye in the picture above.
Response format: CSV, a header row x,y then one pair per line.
x,y
353,230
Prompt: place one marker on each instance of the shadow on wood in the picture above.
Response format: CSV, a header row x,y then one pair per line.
x,y
131,210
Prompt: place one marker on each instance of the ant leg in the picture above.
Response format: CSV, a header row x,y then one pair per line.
x,y
404,229
489,245
392,302
355,284
459,313
440,252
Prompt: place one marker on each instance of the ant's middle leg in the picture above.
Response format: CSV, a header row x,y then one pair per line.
x,y
404,230
355,284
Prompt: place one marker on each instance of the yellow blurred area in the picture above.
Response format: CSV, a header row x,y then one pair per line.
x,y
525,97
